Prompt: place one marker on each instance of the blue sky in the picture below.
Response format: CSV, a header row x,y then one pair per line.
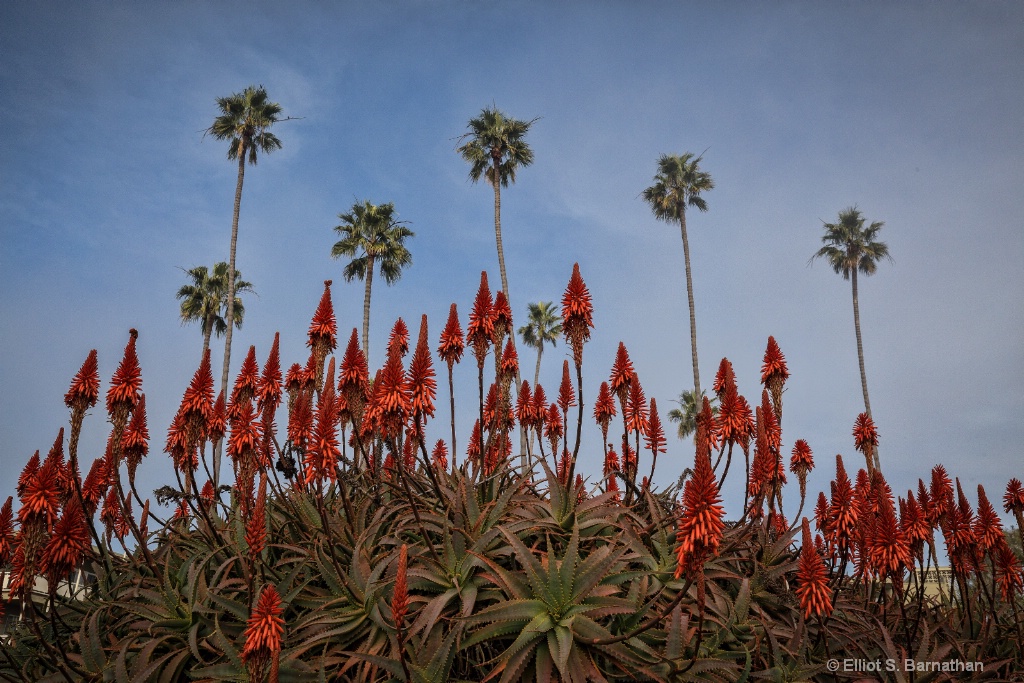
x,y
910,112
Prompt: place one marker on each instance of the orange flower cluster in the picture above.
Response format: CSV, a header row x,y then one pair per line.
x,y
701,525
451,346
865,437
480,332
422,385
655,438
604,409
812,582
577,314
264,632
125,385
774,374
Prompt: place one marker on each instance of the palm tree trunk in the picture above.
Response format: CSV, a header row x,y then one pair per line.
x,y
207,332
230,316
536,373
366,307
860,355
689,298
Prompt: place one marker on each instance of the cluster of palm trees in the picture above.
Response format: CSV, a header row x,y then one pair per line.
x,y
495,147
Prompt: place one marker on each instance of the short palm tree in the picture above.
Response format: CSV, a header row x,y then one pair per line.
x,y
495,147
372,237
204,299
850,247
677,185
543,326
686,414
244,121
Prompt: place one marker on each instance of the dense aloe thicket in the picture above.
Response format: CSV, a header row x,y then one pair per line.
x,y
349,548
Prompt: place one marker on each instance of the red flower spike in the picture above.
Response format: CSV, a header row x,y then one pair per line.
x,y
354,381
85,386
95,486
577,314
480,332
802,460
812,582
889,551
509,362
1013,499
622,374
629,461
707,434
611,462
399,338
392,403
422,385
263,632
300,421
725,378
941,491
439,456
842,511
452,345
248,381
55,457
294,379
27,473
197,404
604,408
524,405
400,596
553,426
774,374
491,408
635,412
218,424
268,392
6,532
988,529
68,544
772,429
540,407
701,525
914,524
323,450
123,393
655,438
474,449
245,435
323,330
135,442
566,393
502,315
113,517
1008,572
821,513
41,497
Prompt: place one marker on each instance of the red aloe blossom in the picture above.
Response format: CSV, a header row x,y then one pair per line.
x,y
6,532
248,382
577,314
566,393
323,450
524,405
1008,572
85,386
502,315
123,393
734,420
774,374
491,408
988,529
323,332
725,378
439,455
40,499
391,399
400,596
55,456
399,338
268,391
889,551
562,467
604,409
801,462
655,438
509,363
539,409
474,449
300,421
812,582
914,525
114,518
264,632
480,332
218,424
1013,502
941,491
701,525
354,379
772,429
68,544
611,462
707,434
27,473
553,428
629,461
197,404
622,374
95,486
865,437
635,412
244,442
293,383
135,443
451,346
821,513
256,524
842,511
422,385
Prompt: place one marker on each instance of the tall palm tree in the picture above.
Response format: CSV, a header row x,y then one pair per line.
x,y
495,147
206,297
374,239
544,325
677,185
850,247
244,120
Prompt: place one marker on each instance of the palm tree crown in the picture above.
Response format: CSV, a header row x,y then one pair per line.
x,y
544,326
372,237
495,147
849,246
206,296
686,414
244,121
